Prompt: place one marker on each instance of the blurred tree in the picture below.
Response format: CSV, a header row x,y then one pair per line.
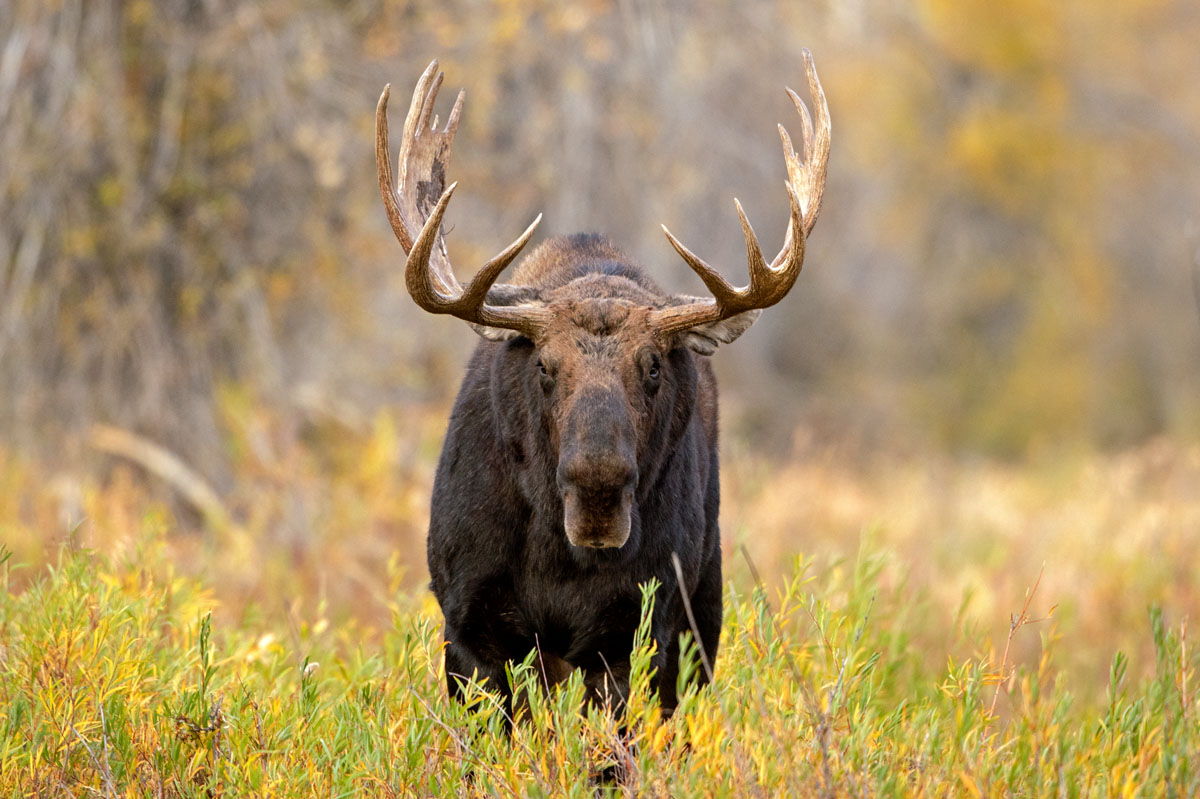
x,y
187,199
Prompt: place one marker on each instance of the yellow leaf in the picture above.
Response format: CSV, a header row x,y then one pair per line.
x,y
659,741
970,784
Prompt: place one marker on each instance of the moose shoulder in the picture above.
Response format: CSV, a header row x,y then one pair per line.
x,y
581,456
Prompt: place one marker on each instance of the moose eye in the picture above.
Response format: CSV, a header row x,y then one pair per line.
x,y
545,376
652,375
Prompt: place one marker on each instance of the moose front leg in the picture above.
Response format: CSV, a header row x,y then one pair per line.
x,y
465,664
608,686
607,669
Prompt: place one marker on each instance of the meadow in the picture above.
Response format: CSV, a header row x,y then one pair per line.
x,y
960,465
896,625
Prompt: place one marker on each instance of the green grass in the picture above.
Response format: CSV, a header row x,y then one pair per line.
x,y
115,681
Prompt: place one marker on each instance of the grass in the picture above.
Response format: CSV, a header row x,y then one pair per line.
x,y
956,628
115,680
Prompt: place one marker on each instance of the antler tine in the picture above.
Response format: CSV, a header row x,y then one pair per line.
x,y
423,123
711,277
383,166
476,292
811,186
769,283
755,264
421,281
455,112
421,151
469,303
416,217
412,126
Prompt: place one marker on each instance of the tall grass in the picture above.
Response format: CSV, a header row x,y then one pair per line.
x,y
116,681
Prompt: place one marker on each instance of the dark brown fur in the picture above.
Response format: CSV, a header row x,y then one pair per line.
x,y
581,457
574,467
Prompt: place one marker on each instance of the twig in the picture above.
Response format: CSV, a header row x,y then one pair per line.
x,y
458,739
836,690
165,465
537,644
822,729
108,780
467,748
1183,667
817,626
612,678
759,693
1015,623
687,607
753,569
823,719
105,774
485,693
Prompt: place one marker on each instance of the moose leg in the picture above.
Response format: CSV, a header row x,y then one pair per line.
x,y
608,685
463,665
668,676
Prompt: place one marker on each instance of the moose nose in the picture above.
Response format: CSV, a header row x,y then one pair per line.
x,y
597,470
597,494
604,472
598,520
598,443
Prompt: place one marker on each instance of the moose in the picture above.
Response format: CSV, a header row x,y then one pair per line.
x,y
580,459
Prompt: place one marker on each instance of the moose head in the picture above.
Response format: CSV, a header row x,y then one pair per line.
x,y
607,355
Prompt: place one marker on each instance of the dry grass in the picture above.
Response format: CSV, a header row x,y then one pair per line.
x,y
328,522
903,642
1115,534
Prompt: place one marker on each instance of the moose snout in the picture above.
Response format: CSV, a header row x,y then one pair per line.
x,y
597,474
597,519
597,493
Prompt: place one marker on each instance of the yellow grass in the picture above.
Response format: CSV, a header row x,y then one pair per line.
x,y
329,525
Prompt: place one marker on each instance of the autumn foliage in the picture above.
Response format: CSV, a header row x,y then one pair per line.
x,y
217,398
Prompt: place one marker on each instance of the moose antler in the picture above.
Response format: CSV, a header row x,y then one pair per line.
x,y
768,283
416,212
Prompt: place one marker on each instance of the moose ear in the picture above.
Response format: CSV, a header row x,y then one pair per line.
x,y
704,339
494,333
507,294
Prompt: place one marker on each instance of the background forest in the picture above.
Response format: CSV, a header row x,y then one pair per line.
x,y
1007,261
989,363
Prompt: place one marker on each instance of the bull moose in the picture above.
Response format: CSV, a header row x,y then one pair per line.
x,y
580,460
